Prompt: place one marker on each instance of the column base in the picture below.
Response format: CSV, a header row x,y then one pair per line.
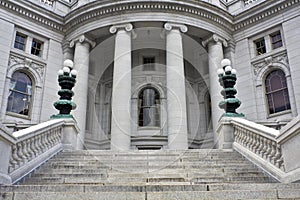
x,y
5,179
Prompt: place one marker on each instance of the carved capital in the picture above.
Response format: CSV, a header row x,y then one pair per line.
x,y
169,26
215,38
127,27
82,39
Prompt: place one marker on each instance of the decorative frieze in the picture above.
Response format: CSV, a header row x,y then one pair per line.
x,y
280,57
28,63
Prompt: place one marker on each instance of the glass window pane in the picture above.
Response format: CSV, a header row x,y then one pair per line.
x,y
20,91
148,107
277,92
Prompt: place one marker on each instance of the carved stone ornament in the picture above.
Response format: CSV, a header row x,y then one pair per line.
x,y
269,61
215,38
28,63
82,39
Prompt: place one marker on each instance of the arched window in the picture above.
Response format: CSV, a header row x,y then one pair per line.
x,y
149,108
277,92
20,94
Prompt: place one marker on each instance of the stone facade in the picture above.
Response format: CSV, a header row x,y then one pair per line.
x,y
168,48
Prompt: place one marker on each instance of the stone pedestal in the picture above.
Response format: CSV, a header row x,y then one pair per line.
x,y
176,95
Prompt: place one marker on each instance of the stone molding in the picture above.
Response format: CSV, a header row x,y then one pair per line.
x,y
82,39
56,23
169,26
215,15
215,38
262,14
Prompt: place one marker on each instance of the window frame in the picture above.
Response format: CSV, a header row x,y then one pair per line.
x,y
266,93
11,113
18,42
30,37
149,66
267,37
36,49
156,106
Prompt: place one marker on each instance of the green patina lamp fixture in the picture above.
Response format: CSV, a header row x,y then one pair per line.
x,y
227,79
66,79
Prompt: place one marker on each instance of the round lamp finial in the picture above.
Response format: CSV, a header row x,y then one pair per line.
x,y
228,68
68,63
225,62
220,71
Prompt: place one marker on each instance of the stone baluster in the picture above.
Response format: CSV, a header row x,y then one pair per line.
x,y
14,160
261,146
33,147
30,153
269,149
20,154
24,151
257,143
273,152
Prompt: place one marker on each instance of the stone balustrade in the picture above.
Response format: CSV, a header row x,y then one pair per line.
x,y
262,143
274,151
27,149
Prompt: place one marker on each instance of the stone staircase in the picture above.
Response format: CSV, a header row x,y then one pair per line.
x,y
149,175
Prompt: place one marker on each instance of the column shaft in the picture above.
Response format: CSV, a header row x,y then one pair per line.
x,y
121,94
177,119
215,53
81,64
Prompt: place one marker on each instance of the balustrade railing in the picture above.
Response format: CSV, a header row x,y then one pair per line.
x,y
26,149
263,143
29,148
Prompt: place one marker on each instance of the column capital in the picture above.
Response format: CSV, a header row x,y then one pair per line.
x,y
169,26
215,38
82,39
128,27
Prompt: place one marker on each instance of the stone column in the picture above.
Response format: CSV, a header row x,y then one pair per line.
x,y
81,64
215,55
176,95
121,92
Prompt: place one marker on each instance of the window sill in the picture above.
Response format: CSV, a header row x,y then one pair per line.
x,y
279,114
18,115
24,55
149,128
273,52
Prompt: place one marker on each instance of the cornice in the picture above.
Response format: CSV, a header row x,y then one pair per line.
x,y
33,13
100,10
261,12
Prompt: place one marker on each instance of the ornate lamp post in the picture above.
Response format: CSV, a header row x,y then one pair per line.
x,y
66,79
227,79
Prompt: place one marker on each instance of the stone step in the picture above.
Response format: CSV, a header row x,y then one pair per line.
x,y
151,187
191,195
